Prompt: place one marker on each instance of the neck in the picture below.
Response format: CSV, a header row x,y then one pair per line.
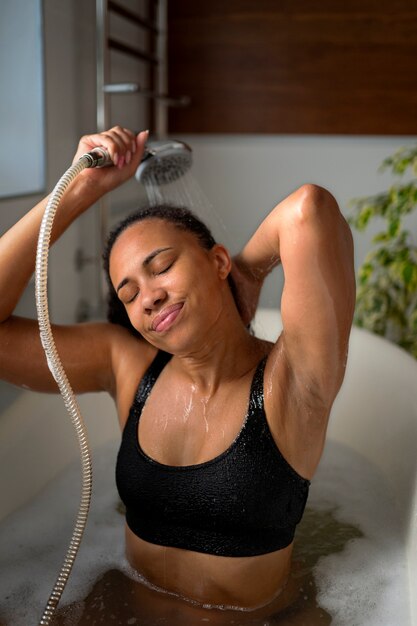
x,y
227,351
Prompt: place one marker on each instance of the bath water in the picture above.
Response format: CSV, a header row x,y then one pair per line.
x,y
349,562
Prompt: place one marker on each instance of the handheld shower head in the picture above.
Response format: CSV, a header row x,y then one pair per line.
x,y
164,161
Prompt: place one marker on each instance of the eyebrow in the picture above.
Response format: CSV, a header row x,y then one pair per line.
x,y
145,263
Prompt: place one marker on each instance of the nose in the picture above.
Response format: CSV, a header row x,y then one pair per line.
x,y
152,298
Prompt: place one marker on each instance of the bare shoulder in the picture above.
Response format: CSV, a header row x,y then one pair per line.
x,y
130,356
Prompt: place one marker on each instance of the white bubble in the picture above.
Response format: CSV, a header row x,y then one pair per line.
x,y
364,585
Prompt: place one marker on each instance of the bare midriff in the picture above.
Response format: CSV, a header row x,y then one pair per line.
x,y
244,582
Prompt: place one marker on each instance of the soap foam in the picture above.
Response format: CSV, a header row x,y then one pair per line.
x,y
367,583
364,585
34,539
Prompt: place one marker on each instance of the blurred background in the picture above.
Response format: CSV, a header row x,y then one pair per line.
x,y
269,95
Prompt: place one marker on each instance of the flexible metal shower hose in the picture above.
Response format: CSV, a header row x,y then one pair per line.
x,y
57,370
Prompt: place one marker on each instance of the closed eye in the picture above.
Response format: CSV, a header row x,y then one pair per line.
x,y
132,298
168,267
164,269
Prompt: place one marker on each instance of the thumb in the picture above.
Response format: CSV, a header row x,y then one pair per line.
x,y
141,140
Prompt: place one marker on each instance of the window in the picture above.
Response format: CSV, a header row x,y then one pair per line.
x,y
22,152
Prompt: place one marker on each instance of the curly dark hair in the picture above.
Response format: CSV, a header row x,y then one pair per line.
x,y
181,218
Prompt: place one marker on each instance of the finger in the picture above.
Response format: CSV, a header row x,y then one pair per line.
x,y
136,155
125,138
103,140
116,141
132,137
141,139
128,149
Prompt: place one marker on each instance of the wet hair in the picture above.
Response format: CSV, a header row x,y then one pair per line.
x,y
183,219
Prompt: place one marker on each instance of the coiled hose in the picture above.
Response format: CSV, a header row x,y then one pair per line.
x,y
96,158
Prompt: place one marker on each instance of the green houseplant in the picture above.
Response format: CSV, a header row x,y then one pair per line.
x,y
387,281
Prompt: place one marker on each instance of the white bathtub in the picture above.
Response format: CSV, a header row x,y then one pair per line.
x,y
375,414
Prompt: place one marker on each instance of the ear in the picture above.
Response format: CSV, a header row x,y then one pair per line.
x,y
222,260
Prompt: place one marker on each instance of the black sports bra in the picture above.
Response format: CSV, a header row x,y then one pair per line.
x,y
244,502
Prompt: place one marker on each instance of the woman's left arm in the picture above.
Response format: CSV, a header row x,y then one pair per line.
x,y
307,233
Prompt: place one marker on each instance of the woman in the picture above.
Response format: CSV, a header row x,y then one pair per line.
x,y
225,432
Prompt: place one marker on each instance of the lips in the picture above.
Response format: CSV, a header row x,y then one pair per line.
x,y
166,317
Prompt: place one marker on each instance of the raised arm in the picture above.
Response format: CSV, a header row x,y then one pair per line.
x,y
310,237
22,361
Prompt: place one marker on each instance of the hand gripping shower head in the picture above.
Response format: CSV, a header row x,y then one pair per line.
x,y
163,161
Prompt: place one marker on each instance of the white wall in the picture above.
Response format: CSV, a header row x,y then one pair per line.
x,y
244,176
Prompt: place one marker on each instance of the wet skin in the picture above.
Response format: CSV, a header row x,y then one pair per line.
x,y
154,267
132,602
207,380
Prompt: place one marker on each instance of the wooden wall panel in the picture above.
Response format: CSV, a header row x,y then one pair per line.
x,y
294,66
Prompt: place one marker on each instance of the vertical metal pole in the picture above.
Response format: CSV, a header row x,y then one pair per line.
x,y
102,63
151,45
161,110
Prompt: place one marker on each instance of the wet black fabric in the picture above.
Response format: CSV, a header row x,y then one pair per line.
x,y
244,502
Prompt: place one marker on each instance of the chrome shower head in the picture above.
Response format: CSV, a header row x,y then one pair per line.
x,y
164,161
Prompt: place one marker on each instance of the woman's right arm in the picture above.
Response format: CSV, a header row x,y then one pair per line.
x,y
85,349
